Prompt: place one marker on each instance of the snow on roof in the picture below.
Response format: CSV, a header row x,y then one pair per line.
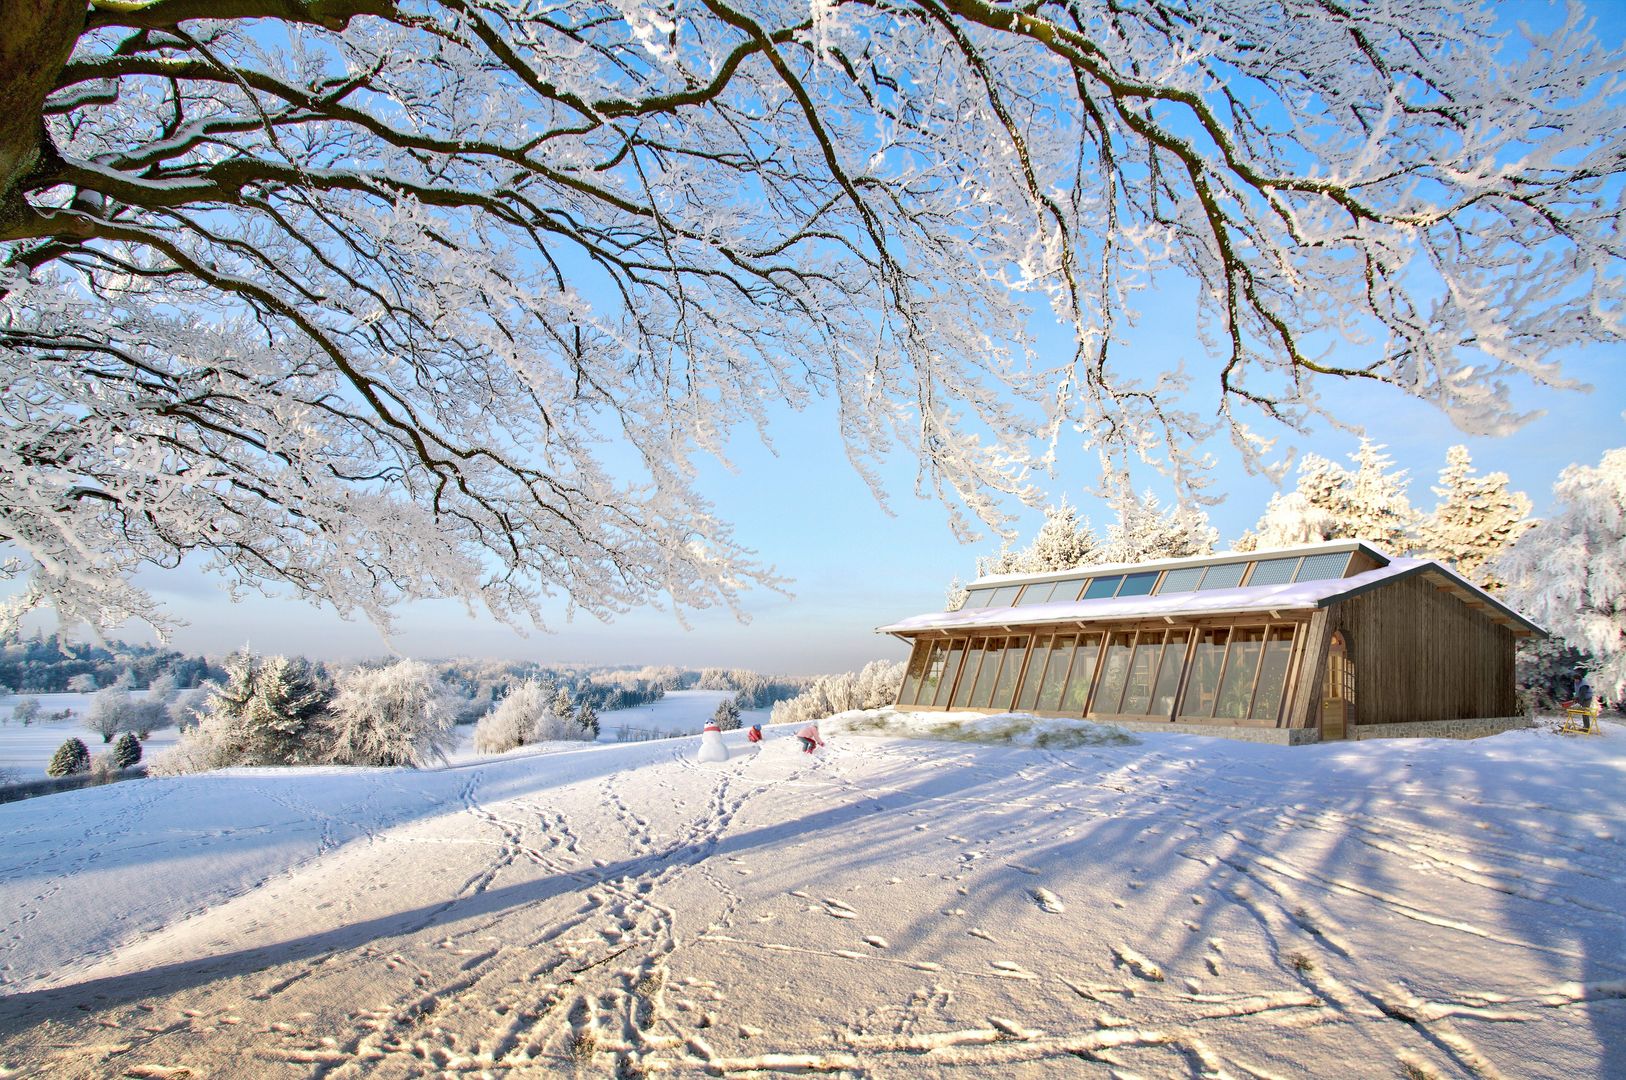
x,y
1300,596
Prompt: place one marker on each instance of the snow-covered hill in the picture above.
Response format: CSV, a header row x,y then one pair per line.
x,y
1176,907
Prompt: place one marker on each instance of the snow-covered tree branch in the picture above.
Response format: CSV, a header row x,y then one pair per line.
x,y
353,294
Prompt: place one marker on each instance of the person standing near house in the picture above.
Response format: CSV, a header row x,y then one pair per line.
x,y
810,738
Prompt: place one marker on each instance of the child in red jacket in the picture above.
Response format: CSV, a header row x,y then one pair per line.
x,y
810,738
755,734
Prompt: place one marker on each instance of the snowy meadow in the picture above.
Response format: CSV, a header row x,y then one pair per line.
x,y
1157,906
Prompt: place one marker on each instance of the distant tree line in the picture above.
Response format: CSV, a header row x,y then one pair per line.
x,y
53,664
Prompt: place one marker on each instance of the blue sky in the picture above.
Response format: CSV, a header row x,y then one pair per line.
x,y
854,566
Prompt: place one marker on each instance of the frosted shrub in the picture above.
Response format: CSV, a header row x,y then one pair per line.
x,y
526,714
727,716
110,712
26,711
874,686
396,715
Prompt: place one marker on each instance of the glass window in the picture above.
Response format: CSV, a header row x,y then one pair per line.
x,y
1168,674
1069,589
1055,673
1182,580
1102,587
1267,700
968,673
1236,686
1010,669
1078,685
1273,571
912,674
1202,686
984,686
1142,670
1004,596
1114,672
1323,567
1028,699
1223,576
1138,584
951,669
1037,593
977,598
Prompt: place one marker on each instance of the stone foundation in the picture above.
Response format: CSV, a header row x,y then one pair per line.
x,y
1277,736
1442,729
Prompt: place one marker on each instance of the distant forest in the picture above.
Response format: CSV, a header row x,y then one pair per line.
x,y
52,664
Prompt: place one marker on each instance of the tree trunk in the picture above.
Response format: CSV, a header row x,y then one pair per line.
x,y
36,39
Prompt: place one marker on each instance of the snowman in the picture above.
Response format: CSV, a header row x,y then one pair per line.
x,y
711,743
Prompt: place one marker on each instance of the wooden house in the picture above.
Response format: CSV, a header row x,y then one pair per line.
x,y
1326,641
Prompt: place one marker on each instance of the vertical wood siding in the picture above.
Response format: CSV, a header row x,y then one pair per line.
x,y
1421,654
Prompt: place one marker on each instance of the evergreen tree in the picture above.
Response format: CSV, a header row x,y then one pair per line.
x,y
127,751
564,706
71,757
1376,508
727,715
1331,502
1476,520
281,720
587,719
1144,530
1569,572
1063,542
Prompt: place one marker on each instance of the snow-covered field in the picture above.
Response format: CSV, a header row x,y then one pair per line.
x,y
25,751
1175,907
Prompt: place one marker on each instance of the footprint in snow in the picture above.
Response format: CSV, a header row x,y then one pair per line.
x,y
1011,970
877,941
979,932
1049,901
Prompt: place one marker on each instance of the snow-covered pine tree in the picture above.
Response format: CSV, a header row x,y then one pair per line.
x,y
1376,508
1063,542
281,722
127,751
1144,530
1569,572
71,757
727,715
1476,520
587,719
564,705
955,596
1292,518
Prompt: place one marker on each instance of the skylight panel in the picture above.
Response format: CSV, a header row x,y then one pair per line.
x,y
1323,567
1182,580
1274,571
1223,576
1102,587
1038,593
1138,584
1004,596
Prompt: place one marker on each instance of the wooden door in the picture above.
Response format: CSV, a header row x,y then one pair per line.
x,y
1338,691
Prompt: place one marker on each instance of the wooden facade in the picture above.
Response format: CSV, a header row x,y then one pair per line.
x,y
1384,643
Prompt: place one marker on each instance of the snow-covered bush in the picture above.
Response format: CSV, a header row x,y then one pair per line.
x,y
727,715
26,711
870,688
396,715
127,751
71,757
527,714
109,713
587,720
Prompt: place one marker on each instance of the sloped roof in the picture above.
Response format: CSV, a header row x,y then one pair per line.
x,y
1302,596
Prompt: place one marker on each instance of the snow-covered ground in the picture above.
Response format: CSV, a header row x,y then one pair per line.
x,y
1173,906
25,751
